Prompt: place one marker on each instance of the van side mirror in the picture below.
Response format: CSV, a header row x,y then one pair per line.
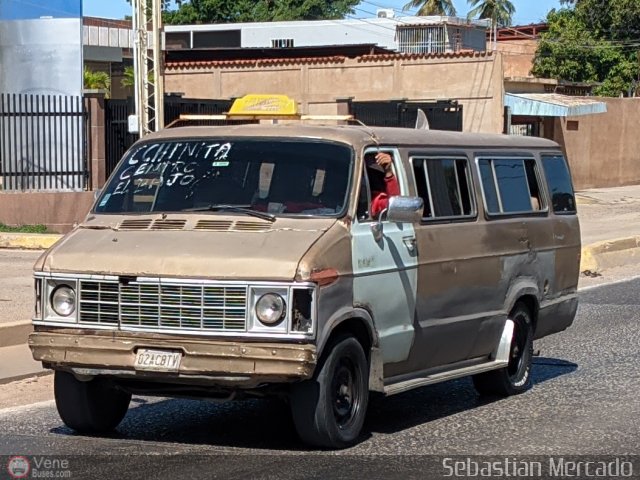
x,y
405,209
96,194
401,209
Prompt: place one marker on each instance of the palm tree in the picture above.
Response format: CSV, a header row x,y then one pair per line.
x,y
432,7
499,11
129,77
96,80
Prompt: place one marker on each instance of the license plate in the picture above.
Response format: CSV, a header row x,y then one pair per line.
x,y
157,360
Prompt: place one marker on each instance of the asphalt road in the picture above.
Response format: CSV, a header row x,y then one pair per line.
x,y
584,402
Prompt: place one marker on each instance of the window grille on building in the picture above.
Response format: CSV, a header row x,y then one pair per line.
x,y
530,129
281,42
422,39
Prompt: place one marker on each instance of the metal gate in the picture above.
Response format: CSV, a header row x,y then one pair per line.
x,y
43,142
175,106
117,136
442,115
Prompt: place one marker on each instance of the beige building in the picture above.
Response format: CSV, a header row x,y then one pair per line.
x,y
474,79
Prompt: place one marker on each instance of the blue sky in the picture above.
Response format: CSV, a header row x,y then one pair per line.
x,y
527,11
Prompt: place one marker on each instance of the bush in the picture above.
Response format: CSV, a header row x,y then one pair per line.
x,y
23,228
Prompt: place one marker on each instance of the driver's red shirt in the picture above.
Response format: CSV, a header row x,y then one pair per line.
x,y
380,200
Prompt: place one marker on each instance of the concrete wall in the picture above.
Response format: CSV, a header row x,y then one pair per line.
x,y
474,79
59,211
603,149
517,57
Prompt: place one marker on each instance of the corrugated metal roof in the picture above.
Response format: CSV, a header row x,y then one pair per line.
x,y
552,105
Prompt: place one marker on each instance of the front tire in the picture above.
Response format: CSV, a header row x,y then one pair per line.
x,y
329,410
515,378
95,406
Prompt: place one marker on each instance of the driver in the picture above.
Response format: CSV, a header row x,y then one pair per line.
x,y
382,181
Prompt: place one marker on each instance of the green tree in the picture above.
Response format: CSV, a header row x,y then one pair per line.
x,y
96,80
129,78
231,11
432,7
500,12
588,43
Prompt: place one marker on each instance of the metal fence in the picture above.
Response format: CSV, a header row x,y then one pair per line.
x,y
442,115
43,142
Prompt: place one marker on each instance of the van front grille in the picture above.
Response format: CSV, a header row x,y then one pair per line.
x,y
163,306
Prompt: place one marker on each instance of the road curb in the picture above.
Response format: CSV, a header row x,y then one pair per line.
x,y
610,253
15,333
28,241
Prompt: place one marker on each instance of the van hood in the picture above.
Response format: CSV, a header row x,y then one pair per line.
x,y
194,246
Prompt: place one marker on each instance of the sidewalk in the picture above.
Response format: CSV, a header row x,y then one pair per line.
x,y
609,223
610,227
609,213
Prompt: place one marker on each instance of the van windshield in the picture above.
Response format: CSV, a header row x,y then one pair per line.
x,y
276,176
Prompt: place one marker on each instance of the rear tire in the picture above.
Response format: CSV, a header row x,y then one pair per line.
x,y
515,378
329,410
95,406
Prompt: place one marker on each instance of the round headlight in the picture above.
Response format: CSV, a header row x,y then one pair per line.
x,y
63,300
270,308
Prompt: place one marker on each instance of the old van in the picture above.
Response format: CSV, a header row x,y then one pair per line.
x,y
253,260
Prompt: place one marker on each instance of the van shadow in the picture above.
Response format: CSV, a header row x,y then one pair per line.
x,y
267,425
434,402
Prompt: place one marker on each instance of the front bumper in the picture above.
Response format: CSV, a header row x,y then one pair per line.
x,y
204,361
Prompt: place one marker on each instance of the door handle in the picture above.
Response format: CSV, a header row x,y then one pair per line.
x,y
410,243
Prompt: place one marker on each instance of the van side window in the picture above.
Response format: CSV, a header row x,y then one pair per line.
x,y
510,185
381,183
364,200
559,181
443,184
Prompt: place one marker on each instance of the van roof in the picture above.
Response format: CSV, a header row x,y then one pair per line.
x,y
359,135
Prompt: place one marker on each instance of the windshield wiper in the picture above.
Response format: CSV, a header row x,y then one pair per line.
x,y
234,208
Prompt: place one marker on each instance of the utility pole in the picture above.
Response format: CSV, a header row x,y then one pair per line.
x,y
148,71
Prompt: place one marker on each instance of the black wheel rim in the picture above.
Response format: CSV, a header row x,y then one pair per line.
x,y
346,395
518,355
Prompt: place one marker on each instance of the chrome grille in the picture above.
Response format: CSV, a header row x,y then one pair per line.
x,y
157,305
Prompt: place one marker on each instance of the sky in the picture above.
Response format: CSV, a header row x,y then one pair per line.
x,y
527,11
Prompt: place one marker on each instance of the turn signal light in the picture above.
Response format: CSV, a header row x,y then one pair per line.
x,y
323,277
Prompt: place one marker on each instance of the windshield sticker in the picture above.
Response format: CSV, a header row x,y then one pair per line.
x,y
169,164
104,200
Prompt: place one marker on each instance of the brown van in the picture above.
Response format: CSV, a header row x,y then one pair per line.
x,y
318,263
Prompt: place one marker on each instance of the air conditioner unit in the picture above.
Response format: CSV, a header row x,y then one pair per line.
x,y
385,13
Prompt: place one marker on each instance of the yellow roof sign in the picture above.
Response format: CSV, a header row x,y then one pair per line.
x,y
267,105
